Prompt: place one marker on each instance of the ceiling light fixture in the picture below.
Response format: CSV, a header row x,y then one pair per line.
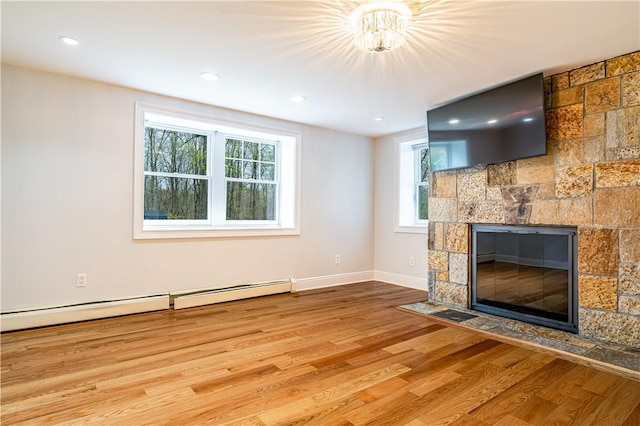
x,y
209,76
378,118
380,26
69,40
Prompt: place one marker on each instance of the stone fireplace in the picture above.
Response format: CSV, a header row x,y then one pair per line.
x,y
590,180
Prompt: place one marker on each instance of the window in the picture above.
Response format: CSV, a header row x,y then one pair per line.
x,y
421,172
201,177
412,183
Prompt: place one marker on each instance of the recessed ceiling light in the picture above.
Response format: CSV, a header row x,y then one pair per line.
x,y
454,121
378,118
69,40
528,119
209,76
494,121
298,98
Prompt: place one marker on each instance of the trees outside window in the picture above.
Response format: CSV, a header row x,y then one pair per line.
x,y
198,175
412,183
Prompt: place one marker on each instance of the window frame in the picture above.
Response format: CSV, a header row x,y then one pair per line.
x,y
287,176
405,188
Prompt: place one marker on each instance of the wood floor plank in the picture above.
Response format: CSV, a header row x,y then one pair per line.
x,y
343,356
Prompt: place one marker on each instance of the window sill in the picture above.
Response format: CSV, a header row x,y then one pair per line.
x,y
412,229
154,234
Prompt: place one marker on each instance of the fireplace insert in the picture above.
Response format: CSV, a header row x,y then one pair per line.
x,y
526,273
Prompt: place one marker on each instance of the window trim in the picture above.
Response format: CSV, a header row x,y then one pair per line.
x,y
401,224
288,222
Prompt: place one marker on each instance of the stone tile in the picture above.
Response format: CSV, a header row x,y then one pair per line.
x,y
442,276
546,191
628,330
431,284
436,236
438,260
598,251
443,209
535,170
560,81
579,151
566,211
619,173
439,236
617,207
459,268
457,237
602,95
598,292
623,127
444,185
594,124
630,245
629,305
451,293
570,96
518,203
618,328
424,307
619,358
494,193
564,122
586,74
574,181
631,89
630,279
626,153
623,64
472,186
501,174
481,212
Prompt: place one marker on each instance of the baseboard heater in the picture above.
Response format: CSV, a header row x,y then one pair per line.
x,y
191,298
53,315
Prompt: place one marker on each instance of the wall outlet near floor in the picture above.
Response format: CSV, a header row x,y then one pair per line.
x,y
412,261
81,281
338,259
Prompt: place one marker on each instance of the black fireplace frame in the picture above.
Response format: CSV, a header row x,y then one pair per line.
x,y
571,324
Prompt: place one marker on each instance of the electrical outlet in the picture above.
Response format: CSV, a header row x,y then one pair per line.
x,y
82,280
338,259
412,261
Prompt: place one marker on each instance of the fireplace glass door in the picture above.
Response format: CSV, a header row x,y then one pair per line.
x,y
526,273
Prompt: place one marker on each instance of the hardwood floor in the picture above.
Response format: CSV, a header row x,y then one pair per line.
x,y
337,356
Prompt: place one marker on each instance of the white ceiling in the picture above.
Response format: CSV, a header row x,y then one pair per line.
x,y
267,51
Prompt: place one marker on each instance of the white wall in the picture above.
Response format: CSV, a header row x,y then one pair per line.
x,y
67,170
392,249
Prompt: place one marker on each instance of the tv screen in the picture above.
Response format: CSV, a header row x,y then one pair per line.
x,y
502,124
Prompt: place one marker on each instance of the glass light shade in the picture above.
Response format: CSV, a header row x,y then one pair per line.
x,y
380,26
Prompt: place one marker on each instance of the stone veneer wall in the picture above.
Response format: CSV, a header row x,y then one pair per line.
x,y
589,179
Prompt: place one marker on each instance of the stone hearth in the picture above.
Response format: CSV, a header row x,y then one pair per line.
x,y
590,179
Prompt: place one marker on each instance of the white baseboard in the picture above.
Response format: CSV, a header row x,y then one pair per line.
x,y
40,317
401,280
301,284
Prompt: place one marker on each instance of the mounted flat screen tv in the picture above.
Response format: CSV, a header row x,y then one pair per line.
x,y
502,124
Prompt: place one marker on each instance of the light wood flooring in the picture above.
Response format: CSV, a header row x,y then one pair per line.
x,y
336,356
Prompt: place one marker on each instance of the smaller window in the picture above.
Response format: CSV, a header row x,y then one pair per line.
x,y
421,172
412,183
